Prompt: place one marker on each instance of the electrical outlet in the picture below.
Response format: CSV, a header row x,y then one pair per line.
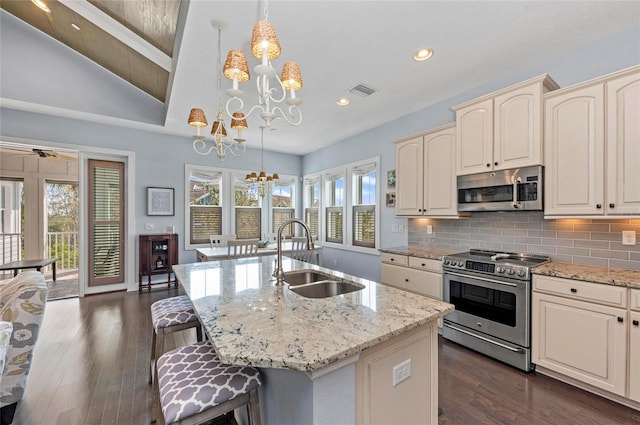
x,y
628,237
401,372
148,226
429,229
394,228
335,263
401,228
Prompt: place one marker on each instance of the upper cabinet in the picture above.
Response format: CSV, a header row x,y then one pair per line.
x,y
592,148
425,174
502,130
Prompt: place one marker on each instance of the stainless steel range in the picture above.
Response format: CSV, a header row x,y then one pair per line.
x,y
492,294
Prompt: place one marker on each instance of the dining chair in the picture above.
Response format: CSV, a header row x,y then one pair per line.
x,y
220,240
299,249
242,248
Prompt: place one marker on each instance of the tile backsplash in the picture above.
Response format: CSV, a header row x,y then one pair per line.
x,y
592,242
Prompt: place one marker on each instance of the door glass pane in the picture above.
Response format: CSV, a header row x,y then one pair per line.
x,y
11,221
62,222
106,222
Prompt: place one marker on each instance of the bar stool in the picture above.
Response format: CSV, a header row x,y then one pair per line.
x,y
170,315
195,387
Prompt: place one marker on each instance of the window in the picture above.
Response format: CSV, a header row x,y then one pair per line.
x,y
364,205
282,202
349,199
248,213
334,191
205,207
312,203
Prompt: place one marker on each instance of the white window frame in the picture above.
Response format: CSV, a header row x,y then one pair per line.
x,y
306,200
347,169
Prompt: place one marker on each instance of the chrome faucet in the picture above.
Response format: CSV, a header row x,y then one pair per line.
x,y
279,273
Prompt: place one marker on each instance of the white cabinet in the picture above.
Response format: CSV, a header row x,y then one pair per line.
x,y
634,346
419,275
425,174
503,129
580,329
578,156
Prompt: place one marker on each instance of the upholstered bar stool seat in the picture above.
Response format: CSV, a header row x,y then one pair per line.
x,y
194,386
170,315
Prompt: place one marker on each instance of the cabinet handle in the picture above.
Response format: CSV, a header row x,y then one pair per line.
x,y
598,206
612,205
574,290
635,323
620,319
495,163
488,165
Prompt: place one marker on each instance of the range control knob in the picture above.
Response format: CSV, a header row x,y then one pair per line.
x,y
510,271
461,263
521,273
500,269
446,261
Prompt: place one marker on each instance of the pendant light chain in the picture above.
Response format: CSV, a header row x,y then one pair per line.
x,y
266,10
218,68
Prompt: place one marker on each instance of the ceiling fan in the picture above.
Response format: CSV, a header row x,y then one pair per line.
x,y
47,154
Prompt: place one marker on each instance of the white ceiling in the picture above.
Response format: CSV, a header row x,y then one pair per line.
x,y
339,44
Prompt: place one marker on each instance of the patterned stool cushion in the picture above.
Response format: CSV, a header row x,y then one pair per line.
x,y
192,380
172,311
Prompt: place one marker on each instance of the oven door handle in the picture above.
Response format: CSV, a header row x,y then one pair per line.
x,y
516,201
480,278
515,350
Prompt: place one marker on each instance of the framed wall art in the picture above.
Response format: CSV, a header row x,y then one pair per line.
x,y
391,199
160,201
391,179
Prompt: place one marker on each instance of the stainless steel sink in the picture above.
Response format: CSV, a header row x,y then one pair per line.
x,y
311,284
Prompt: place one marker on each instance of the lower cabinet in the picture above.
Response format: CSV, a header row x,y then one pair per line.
x,y
634,346
580,330
397,375
420,275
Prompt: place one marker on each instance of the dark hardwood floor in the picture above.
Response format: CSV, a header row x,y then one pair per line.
x,y
90,368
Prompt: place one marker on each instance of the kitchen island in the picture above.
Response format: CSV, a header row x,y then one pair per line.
x,y
327,360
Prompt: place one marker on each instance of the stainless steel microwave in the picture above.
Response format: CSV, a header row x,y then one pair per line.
x,y
517,189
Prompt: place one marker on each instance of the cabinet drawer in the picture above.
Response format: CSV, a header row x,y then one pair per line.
x,y
425,264
419,282
586,291
399,260
634,302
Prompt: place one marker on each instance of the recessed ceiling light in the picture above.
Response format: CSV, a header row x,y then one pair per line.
x,y
75,26
422,54
42,5
343,101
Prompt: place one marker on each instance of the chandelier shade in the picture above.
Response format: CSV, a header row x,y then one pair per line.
x,y
264,38
236,66
238,121
218,129
197,118
291,77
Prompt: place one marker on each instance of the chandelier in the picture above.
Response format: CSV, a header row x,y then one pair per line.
x,y
197,119
260,181
265,47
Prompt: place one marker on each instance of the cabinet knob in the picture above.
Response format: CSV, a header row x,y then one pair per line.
x,y
423,264
392,259
488,165
635,323
406,280
495,163
620,319
612,205
598,206
574,290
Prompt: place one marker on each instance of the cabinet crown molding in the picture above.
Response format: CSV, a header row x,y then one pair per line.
x,y
548,84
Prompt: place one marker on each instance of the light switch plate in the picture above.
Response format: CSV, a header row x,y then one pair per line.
x,y
429,229
628,237
148,226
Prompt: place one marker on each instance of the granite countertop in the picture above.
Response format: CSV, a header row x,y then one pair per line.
x,y
605,275
252,322
418,251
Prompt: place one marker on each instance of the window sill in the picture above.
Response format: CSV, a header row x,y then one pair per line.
x,y
359,249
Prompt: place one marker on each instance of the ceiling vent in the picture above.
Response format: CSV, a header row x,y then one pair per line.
x,y
362,90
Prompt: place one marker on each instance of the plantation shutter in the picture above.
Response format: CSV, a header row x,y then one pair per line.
x,y
205,221
106,222
364,219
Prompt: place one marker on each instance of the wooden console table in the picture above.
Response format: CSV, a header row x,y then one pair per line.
x,y
30,264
